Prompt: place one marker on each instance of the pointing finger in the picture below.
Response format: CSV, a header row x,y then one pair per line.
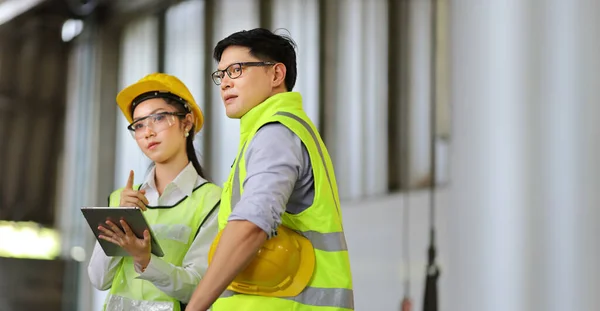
x,y
130,180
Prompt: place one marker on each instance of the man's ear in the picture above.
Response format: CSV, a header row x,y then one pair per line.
x,y
279,76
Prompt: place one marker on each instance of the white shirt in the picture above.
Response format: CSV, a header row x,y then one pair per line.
x,y
177,282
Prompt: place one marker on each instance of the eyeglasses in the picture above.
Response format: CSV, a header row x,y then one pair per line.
x,y
234,70
156,122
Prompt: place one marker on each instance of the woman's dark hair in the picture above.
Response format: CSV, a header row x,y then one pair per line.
x,y
189,141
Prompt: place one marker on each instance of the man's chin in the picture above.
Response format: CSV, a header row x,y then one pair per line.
x,y
233,114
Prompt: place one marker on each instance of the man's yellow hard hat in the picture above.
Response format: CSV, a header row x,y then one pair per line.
x,y
282,268
159,85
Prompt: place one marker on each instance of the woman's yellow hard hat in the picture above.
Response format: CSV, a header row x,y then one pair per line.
x,y
282,268
159,85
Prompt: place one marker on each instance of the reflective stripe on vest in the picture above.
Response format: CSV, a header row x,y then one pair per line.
x,y
319,297
118,303
314,137
329,242
235,197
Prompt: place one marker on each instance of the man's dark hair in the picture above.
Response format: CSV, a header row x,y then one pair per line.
x,y
266,46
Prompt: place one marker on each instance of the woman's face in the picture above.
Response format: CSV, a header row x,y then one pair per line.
x,y
159,130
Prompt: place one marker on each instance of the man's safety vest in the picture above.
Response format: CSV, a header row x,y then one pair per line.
x,y
175,228
330,287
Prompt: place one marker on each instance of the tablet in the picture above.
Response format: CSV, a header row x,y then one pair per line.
x,y
132,215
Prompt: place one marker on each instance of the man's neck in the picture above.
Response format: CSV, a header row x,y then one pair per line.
x,y
278,90
166,172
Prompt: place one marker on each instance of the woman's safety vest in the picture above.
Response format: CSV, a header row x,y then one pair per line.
x,y
329,284
175,227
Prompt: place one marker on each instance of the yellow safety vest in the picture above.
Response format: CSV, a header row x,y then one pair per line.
x,y
330,288
175,227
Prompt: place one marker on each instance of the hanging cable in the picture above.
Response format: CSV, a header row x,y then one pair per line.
x,y
406,300
430,299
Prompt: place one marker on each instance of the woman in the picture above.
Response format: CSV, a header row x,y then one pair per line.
x,y
180,205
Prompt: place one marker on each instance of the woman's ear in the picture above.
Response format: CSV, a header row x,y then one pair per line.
x,y
188,122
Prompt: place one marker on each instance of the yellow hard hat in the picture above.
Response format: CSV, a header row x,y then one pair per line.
x,y
159,85
282,267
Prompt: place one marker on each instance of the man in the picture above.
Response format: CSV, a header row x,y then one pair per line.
x,y
281,196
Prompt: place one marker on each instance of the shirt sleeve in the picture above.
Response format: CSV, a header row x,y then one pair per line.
x,y
102,268
180,282
273,164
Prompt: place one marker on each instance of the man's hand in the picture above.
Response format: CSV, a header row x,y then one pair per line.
x,y
238,245
139,249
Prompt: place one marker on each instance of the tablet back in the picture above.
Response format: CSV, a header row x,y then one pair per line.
x,y
134,217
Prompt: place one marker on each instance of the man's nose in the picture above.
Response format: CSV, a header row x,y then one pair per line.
x,y
226,82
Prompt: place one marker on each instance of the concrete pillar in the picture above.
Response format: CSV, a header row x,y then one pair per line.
x,y
411,83
185,54
356,93
225,132
88,159
300,20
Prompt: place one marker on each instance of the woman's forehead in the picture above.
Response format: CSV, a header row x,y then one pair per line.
x,y
150,106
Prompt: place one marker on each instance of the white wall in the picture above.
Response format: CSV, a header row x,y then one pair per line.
x,y
525,169
375,231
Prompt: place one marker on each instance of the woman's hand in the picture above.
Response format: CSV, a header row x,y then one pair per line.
x,y
133,198
139,249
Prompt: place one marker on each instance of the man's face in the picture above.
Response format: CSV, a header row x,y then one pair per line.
x,y
253,86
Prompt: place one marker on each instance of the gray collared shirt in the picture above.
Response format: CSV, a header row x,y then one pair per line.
x,y
278,179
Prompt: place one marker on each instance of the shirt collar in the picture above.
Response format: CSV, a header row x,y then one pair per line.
x,y
185,181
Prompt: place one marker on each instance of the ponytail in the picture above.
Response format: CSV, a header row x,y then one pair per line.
x,y
191,153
